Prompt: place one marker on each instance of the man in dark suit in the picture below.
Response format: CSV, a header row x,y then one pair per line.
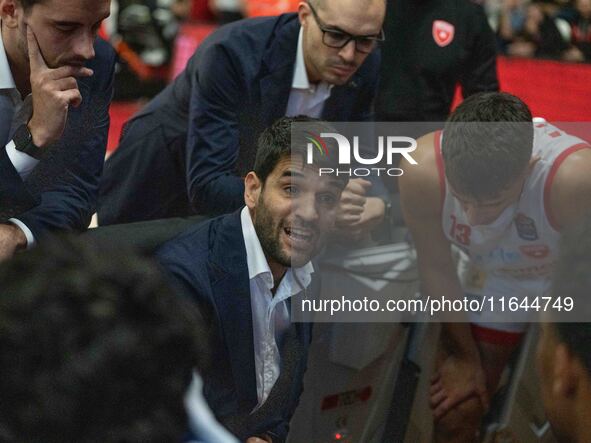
x,y
244,268
55,90
189,148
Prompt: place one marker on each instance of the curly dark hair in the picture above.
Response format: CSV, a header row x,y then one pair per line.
x,y
94,347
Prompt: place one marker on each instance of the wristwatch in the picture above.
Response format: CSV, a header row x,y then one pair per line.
x,y
23,141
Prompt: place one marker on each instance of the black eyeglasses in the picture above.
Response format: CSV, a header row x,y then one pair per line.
x,y
338,39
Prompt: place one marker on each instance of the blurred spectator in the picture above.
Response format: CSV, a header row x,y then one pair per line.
x,y
511,20
181,9
581,28
227,11
540,36
144,37
93,348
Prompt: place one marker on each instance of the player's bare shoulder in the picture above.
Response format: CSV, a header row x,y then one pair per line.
x,y
570,195
420,185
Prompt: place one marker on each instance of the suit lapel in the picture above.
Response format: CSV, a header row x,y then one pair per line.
x,y
275,89
228,273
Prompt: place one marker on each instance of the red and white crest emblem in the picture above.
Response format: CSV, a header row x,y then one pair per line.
x,y
443,33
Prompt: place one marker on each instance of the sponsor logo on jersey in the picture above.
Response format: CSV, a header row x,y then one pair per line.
x,y
526,227
535,251
443,33
498,256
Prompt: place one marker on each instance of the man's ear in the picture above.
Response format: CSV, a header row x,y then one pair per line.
x,y
9,12
303,13
252,190
565,377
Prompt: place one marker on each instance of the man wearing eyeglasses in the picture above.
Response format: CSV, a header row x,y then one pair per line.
x,y
187,149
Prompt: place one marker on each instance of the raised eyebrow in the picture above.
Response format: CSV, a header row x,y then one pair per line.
x,y
291,173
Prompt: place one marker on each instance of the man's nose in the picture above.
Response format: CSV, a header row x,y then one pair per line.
x,y
305,208
84,46
347,52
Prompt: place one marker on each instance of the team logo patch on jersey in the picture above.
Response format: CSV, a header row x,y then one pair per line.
x,y
443,33
535,251
526,227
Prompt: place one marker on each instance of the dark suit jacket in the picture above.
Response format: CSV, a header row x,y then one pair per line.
x,y
208,263
236,84
61,192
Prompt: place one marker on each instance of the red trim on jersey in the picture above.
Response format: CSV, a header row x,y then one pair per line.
x,y
440,168
553,170
495,337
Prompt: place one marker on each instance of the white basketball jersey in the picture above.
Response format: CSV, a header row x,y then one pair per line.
x,y
522,243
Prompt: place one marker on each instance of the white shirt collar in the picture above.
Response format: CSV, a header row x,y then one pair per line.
x,y
256,260
300,75
6,79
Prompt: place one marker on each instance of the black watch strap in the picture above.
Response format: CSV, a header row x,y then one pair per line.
x,y
23,141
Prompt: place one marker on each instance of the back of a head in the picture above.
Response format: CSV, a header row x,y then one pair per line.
x,y
93,347
487,144
572,278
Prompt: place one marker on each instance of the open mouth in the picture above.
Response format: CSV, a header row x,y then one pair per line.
x,y
299,238
299,234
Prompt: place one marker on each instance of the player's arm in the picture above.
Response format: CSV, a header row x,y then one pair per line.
x,y
570,196
420,193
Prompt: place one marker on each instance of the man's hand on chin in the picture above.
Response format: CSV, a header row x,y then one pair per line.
x,y
12,238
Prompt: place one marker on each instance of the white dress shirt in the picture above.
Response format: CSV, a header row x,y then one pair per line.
x,y
202,422
270,314
305,98
23,110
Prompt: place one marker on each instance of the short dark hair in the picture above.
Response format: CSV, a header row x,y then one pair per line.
x,y
487,143
573,279
282,140
93,347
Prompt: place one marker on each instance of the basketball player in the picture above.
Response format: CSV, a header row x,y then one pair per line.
x,y
499,188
